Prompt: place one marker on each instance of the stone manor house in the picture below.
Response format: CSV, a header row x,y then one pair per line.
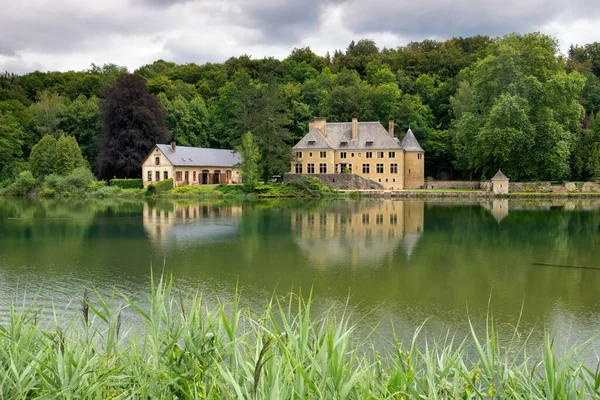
x,y
362,148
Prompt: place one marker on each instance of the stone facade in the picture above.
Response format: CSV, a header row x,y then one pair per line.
x,y
362,148
340,181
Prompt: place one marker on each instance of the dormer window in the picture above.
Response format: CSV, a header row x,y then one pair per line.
x,y
369,143
343,144
183,159
311,142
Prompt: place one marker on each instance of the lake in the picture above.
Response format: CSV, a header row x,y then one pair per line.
x,y
393,263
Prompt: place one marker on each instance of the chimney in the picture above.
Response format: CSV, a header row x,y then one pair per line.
x,y
173,147
391,128
321,123
354,127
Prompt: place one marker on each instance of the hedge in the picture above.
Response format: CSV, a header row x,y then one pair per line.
x,y
127,183
161,186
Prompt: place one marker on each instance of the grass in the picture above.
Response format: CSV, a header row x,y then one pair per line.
x,y
185,349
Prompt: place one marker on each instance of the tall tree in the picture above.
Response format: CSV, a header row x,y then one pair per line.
x,y
11,139
80,119
518,111
132,123
68,155
250,155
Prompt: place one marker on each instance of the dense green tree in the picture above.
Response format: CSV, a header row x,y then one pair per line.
x,y
186,120
43,157
45,113
11,140
80,119
67,155
132,123
518,111
249,168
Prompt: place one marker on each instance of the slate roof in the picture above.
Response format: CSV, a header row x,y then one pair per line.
x,y
341,132
410,143
500,177
184,156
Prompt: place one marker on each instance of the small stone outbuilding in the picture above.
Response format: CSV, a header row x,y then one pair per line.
x,y
500,183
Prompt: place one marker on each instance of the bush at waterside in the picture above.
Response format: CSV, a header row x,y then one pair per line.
x,y
184,349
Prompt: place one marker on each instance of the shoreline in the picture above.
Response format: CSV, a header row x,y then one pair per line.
x,y
466,194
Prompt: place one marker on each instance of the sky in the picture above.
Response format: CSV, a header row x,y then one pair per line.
x,y
72,34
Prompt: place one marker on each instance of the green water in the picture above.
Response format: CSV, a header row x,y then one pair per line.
x,y
395,263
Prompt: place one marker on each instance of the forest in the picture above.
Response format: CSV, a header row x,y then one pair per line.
x,y
476,104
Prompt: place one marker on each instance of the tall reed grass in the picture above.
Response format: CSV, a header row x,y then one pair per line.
x,y
185,349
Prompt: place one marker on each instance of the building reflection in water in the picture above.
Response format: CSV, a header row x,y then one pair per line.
x,y
187,224
359,233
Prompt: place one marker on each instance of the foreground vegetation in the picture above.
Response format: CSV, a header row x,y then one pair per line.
x,y
181,348
81,183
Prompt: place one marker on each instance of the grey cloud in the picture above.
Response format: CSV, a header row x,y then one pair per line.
x,y
442,18
63,30
281,21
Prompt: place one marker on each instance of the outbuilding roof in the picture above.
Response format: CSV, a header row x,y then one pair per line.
x,y
199,157
410,143
500,177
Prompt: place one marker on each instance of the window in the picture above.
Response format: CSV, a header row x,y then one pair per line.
x,y
369,143
156,160
409,171
343,144
360,154
352,155
322,168
178,176
310,168
380,154
366,168
350,167
299,154
165,175
365,219
311,142
343,154
323,154
392,154
393,168
419,156
394,219
149,175
298,168
194,176
379,219
380,168
310,154
369,154
157,176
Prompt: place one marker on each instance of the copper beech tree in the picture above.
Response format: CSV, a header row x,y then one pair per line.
x,y
133,121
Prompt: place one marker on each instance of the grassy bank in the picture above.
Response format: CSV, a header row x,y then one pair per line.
x,y
185,349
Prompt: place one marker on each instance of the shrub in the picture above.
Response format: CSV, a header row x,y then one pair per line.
x,y
310,186
106,191
127,183
79,180
23,185
230,189
55,183
97,185
162,186
47,192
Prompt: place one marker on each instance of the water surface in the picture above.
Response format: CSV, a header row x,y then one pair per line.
x,y
393,262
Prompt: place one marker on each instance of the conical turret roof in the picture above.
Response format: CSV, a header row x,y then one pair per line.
x,y
500,177
410,143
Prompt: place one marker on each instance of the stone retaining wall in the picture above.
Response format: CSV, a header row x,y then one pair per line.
x,y
339,181
544,187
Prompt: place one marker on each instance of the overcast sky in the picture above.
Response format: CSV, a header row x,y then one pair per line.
x,y
71,34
